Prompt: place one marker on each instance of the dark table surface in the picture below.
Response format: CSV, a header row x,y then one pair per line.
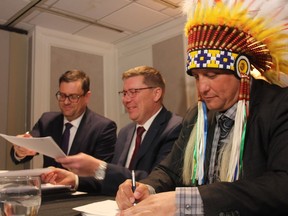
x,y
62,204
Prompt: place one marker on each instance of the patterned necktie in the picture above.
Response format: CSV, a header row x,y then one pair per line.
x,y
140,131
225,124
65,137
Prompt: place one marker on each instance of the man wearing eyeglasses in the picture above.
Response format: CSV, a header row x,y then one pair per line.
x,y
142,96
89,132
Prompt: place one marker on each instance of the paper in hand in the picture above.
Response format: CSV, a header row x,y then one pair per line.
x,y
42,145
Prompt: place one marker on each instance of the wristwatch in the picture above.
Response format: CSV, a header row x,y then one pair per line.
x,y
101,171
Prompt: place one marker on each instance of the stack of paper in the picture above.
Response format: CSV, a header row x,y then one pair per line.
x,y
42,145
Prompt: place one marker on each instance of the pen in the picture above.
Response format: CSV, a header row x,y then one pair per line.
x,y
27,134
133,183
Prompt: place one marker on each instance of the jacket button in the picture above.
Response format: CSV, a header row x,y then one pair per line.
x,y
236,213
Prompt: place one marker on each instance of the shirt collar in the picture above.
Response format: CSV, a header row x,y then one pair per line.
x,y
230,113
148,123
75,122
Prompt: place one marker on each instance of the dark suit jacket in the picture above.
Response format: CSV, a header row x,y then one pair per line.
x,y
262,187
96,136
156,144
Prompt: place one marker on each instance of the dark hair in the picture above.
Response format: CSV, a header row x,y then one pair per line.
x,y
75,75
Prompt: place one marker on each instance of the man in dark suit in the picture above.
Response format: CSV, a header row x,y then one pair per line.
x,y
90,133
231,155
142,96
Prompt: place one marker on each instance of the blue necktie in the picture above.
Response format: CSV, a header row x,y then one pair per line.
x,y
65,137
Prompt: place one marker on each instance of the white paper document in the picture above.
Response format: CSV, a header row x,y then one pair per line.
x,y
42,145
25,172
103,208
48,186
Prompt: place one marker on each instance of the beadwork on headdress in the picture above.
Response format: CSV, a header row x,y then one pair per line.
x,y
257,29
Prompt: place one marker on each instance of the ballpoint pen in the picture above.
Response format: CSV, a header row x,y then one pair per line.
x,y
133,183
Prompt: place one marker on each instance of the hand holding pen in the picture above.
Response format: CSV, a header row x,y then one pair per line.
x,y
126,197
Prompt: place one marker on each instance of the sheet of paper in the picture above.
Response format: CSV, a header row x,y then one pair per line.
x,y
103,208
49,186
26,172
42,145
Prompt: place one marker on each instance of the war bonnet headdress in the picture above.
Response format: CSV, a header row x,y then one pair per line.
x,y
245,37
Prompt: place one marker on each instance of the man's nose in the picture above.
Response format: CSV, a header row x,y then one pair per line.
x,y
126,98
203,85
67,101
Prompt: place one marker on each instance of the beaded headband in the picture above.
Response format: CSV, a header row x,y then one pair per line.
x,y
218,59
255,29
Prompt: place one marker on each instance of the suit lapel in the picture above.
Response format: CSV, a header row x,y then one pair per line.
x,y
126,145
151,134
57,130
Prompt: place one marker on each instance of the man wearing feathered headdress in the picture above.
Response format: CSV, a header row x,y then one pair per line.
x,y
231,157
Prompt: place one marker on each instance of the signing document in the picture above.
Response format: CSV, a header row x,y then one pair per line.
x,y
42,145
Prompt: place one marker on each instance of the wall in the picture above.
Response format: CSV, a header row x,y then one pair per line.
x,y
13,88
168,57
66,59
4,71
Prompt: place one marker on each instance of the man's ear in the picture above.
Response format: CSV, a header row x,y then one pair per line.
x,y
87,95
158,92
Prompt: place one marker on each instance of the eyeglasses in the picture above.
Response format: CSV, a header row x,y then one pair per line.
x,y
132,92
73,98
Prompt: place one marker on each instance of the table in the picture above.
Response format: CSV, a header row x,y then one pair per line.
x,y
61,204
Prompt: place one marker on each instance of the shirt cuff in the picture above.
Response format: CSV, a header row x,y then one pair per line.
x,y
76,183
17,157
101,171
189,201
151,189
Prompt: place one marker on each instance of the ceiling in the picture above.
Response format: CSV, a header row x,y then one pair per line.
x,y
109,21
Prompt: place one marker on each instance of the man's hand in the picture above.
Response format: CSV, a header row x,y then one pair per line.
x,y
162,204
22,152
80,164
125,197
59,177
